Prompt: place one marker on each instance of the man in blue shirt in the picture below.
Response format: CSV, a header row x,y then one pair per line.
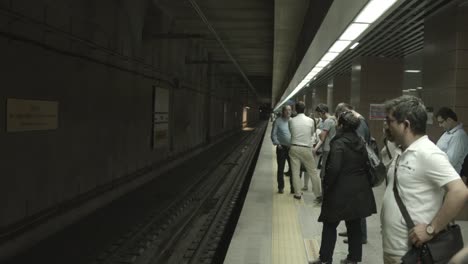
x,y
281,138
454,142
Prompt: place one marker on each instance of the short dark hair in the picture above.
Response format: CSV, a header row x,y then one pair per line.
x,y
349,121
409,108
300,107
342,107
321,108
445,112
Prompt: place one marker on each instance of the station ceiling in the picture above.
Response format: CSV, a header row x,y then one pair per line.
x,y
263,37
244,26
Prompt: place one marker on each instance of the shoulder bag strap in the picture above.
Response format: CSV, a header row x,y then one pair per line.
x,y
386,147
401,205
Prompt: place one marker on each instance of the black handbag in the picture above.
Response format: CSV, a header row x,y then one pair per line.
x,y
440,249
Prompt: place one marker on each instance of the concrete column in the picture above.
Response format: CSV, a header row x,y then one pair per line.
x,y
330,94
320,97
373,81
445,63
309,101
341,90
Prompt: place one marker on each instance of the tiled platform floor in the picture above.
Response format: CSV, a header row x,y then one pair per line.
x,y
275,228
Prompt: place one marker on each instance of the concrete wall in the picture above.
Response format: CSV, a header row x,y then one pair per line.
x,y
98,61
445,63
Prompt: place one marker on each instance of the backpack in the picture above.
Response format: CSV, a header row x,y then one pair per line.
x,y
376,169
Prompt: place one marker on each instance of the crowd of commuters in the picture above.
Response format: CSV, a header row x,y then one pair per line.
x,y
422,175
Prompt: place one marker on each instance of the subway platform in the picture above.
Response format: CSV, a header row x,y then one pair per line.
x,y
276,228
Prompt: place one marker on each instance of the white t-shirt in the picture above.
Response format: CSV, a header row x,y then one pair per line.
x,y
302,130
422,172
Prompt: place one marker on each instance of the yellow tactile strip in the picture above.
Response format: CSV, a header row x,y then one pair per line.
x,y
287,240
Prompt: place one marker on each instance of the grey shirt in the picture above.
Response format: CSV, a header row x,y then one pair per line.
x,y
328,125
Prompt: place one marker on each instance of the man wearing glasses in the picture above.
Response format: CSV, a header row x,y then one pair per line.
x,y
454,142
430,188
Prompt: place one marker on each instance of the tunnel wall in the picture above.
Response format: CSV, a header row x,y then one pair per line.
x,y
97,59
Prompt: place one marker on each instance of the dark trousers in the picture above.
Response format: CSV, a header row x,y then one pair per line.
x,y
329,240
282,154
364,229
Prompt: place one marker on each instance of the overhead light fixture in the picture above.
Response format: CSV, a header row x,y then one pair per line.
x,y
322,63
419,88
412,71
373,10
329,56
354,45
310,75
369,14
339,46
353,31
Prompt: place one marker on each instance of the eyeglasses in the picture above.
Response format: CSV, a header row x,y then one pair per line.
x,y
441,121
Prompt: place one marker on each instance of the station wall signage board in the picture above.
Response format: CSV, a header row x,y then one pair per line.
x,y
31,115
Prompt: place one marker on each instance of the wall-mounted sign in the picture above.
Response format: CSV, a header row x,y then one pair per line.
x,y
430,115
160,117
30,115
377,112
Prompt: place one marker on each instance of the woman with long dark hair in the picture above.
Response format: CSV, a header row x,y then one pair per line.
x,y
347,193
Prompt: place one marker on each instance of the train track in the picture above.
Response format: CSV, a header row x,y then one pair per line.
x,y
190,228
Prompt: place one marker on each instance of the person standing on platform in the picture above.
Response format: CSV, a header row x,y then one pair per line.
x,y
302,130
363,131
427,183
281,138
347,192
454,142
328,132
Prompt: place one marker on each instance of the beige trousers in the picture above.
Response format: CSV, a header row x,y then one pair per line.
x,y
304,156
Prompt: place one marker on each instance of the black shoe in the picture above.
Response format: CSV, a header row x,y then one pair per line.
x,y
343,234
318,261
298,197
280,191
362,241
318,200
288,174
347,261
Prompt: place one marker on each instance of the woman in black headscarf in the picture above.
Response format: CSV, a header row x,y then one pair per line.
x,y
347,193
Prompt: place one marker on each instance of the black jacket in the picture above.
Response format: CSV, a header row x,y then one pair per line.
x,y
347,193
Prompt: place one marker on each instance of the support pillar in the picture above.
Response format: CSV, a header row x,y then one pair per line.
x,y
330,88
341,90
445,63
373,81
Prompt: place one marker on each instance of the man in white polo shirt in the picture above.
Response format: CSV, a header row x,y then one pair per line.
x,y
424,176
302,130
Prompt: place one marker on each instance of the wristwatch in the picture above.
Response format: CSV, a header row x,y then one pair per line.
x,y
430,230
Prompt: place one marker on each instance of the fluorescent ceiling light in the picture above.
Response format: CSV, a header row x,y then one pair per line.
x,y
310,75
354,45
322,63
412,71
353,31
373,10
329,56
339,46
